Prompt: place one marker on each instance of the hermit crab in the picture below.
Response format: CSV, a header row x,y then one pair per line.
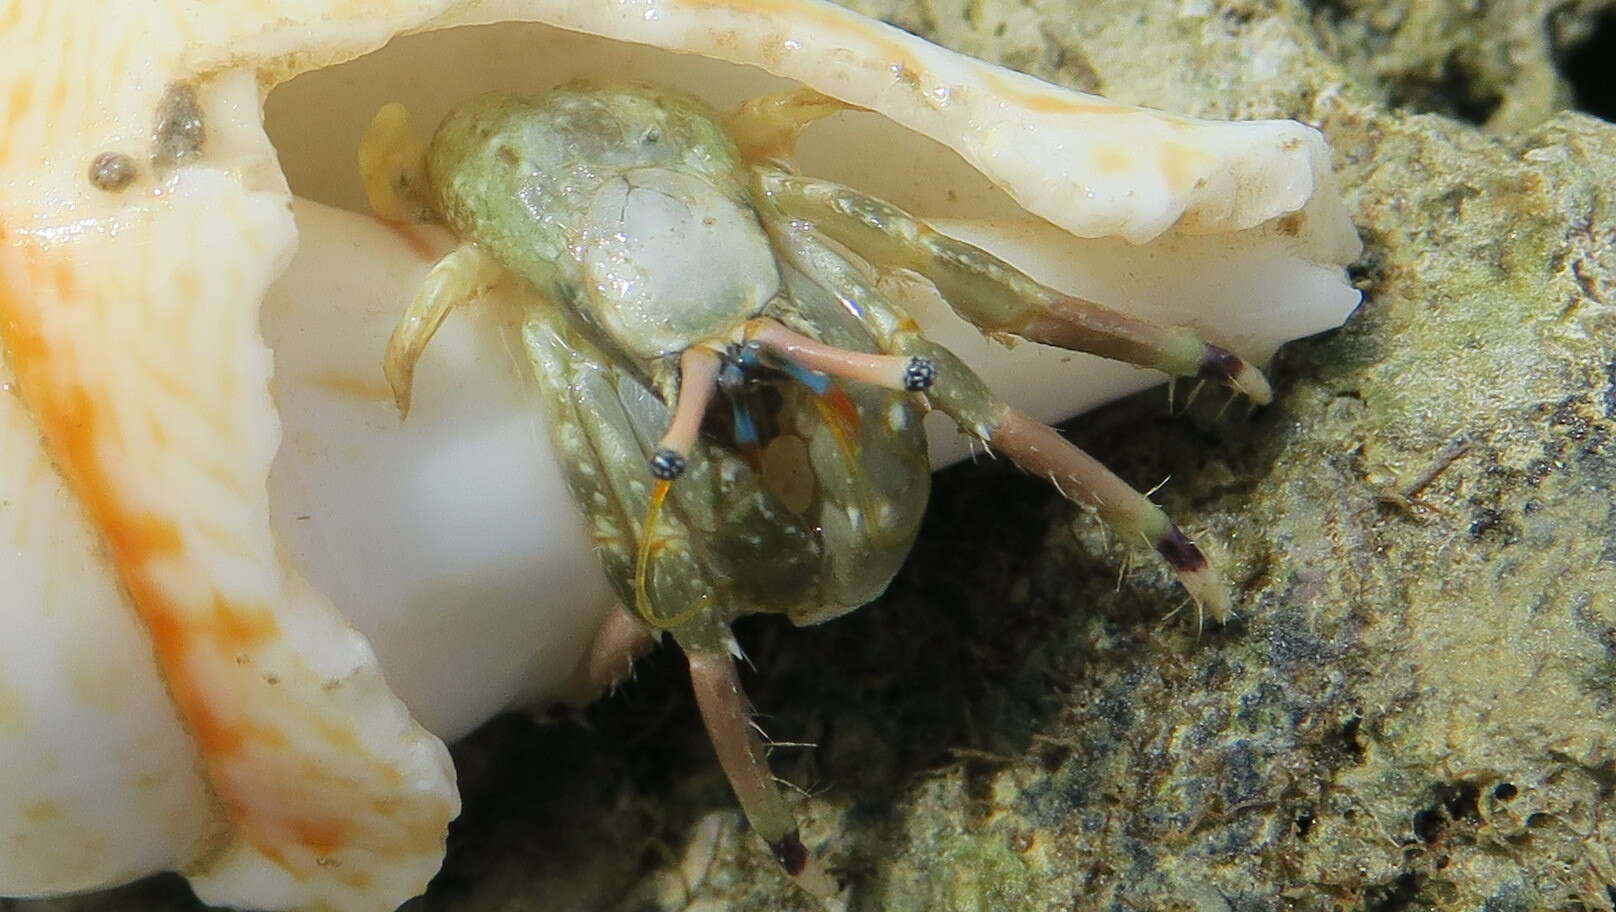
x,y
203,592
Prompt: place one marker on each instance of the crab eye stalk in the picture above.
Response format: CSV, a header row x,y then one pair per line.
x,y
699,370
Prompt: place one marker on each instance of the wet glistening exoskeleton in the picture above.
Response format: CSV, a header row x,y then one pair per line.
x,y
737,407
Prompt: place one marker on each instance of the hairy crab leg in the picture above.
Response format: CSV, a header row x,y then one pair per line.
x,y
997,297
596,431
619,642
1041,449
727,714
961,394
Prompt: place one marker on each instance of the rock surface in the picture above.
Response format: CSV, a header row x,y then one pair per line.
x,y
1416,708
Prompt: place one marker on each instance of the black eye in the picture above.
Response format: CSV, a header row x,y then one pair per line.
x,y
651,137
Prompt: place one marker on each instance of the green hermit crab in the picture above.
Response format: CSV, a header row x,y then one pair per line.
x,y
671,257
214,548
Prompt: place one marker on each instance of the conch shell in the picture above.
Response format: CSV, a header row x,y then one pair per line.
x,y
174,693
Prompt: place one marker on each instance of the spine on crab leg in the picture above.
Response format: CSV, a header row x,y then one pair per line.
x,y
727,713
997,297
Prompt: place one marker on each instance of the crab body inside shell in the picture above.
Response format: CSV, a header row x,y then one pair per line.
x,y
664,265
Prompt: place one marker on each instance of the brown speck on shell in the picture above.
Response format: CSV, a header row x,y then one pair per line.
x,y
112,171
180,131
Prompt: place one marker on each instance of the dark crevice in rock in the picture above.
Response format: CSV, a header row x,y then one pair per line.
x,y
1428,825
1348,740
1400,895
1456,803
1455,89
1590,67
1304,824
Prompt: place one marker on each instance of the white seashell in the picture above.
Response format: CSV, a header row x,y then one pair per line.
x,y
178,689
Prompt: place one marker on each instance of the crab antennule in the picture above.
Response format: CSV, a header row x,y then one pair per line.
x,y
698,379
996,296
727,714
903,373
746,435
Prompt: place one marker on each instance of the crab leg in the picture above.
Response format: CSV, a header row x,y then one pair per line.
x,y
766,128
619,642
392,166
596,435
1041,449
959,393
997,297
460,277
728,716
